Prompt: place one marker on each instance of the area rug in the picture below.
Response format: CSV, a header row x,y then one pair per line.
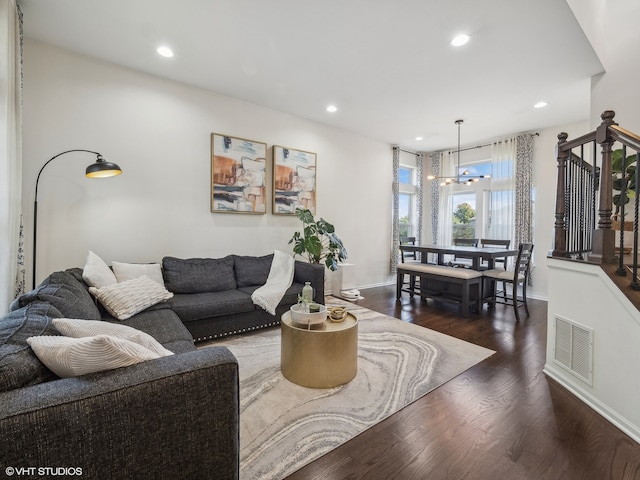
x,y
284,426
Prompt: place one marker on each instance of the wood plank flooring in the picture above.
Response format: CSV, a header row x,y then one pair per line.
x,y
502,419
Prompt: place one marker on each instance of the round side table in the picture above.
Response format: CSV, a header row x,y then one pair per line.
x,y
322,356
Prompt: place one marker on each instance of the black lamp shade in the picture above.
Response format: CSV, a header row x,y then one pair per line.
x,y
101,169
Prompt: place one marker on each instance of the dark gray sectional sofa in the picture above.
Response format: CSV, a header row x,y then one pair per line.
x,y
173,417
213,296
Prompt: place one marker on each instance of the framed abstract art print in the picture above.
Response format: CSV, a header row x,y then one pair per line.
x,y
294,180
238,175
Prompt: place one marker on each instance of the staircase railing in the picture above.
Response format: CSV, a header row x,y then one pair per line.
x,y
584,198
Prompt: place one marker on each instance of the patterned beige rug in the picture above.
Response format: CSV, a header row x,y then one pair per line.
x,y
284,426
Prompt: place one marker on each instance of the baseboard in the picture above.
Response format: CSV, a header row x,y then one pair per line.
x,y
364,287
611,415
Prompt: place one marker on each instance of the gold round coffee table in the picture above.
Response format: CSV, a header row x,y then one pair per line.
x,y
322,356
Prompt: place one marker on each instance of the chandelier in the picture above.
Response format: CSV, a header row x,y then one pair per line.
x,y
461,178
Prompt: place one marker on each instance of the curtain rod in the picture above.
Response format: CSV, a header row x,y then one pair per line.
x,y
407,151
536,134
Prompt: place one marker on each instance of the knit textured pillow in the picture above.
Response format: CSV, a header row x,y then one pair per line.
x,y
70,357
90,328
124,300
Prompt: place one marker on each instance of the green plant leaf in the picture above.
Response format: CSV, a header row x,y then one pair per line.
x,y
620,199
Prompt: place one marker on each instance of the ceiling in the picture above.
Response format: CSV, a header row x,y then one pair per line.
x,y
386,64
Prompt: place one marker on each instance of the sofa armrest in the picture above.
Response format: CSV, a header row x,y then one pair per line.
x,y
173,417
311,272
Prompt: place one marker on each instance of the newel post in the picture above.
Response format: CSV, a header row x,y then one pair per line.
x,y
560,226
604,236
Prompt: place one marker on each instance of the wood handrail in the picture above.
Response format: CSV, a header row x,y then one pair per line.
x,y
576,142
625,137
586,183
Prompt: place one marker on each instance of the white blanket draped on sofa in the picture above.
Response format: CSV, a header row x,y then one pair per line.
x,y
279,280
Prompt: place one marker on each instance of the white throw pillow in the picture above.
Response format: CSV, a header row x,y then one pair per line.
x,y
96,273
70,357
128,271
124,300
90,328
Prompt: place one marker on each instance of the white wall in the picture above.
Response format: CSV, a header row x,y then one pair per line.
x,y
611,27
159,133
591,299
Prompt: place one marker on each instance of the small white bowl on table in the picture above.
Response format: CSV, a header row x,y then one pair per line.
x,y
301,315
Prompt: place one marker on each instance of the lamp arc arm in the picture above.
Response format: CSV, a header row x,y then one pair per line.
x,y
53,158
35,208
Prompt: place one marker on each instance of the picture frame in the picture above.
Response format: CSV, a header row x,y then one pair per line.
x,y
294,180
238,175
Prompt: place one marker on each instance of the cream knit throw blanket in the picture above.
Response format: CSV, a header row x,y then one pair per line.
x,y
279,280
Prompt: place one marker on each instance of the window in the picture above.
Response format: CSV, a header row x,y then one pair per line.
x,y
463,221
405,175
470,204
406,210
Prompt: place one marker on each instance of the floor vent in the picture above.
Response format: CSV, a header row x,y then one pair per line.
x,y
573,348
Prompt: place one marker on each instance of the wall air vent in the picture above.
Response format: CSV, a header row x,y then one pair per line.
x,y
573,348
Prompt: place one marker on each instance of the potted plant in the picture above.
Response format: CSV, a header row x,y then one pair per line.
x,y
624,182
318,241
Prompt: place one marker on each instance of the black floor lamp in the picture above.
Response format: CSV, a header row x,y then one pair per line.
x,y
99,169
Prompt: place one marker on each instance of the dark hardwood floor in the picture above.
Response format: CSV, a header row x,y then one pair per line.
x,y
502,419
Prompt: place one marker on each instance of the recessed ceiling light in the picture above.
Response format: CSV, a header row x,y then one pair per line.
x,y
165,52
540,105
332,109
419,138
460,40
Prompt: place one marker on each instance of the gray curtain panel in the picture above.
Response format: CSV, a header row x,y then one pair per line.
x,y
395,242
524,187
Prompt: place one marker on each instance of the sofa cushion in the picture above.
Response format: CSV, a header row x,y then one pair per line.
x,y
68,295
198,275
124,300
127,271
290,297
196,306
19,366
252,270
70,357
96,272
163,325
71,327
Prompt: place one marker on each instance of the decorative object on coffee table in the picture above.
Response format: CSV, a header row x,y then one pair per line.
x,y
318,241
337,314
302,315
238,175
294,180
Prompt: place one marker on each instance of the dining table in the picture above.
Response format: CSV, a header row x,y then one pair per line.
x,y
476,254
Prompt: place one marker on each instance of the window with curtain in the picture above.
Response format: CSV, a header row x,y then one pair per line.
x,y
502,200
483,209
407,199
11,152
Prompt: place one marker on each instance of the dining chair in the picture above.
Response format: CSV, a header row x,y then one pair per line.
x,y
409,257
488,242
461,260
519,276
